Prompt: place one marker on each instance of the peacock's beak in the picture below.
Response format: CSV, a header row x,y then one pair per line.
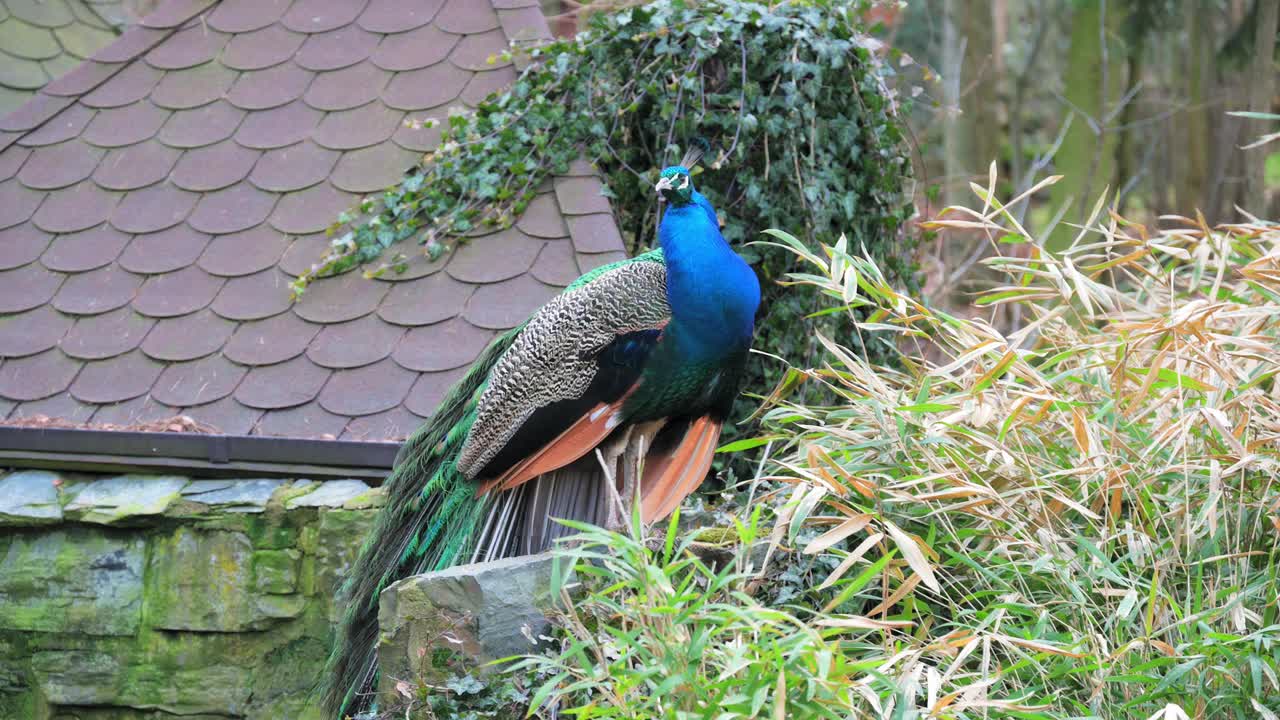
x,y
664,184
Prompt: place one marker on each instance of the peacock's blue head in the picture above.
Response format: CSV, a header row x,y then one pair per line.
x,y
674,185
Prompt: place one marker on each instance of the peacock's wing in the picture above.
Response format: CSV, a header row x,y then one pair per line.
x,y
567,371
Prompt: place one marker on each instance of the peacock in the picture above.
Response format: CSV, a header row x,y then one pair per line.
x,y
612,393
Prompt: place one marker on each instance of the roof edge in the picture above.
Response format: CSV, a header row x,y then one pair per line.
x,y
196,454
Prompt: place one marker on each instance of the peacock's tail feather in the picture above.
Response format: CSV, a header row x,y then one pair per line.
x,y
429,522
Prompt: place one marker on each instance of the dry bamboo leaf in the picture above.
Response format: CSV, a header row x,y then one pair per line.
x,y
914,556
837,533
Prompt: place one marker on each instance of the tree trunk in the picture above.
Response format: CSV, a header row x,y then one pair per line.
x,y
1191,192
1261,87
1094,85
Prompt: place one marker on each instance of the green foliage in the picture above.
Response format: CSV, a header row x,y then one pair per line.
x,y
660,633
1074,519
807,132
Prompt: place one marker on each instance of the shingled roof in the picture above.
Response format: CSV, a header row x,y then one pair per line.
x,y
42,39
156,201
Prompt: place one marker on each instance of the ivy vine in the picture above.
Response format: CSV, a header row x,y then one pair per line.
x,y
806,132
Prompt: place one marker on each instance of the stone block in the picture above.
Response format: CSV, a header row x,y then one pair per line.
x,y
330,494
116,500
204,581
247,496
73,580
438,623
275,572
30,497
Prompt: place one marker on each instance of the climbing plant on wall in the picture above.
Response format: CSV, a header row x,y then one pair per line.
x,y
806,139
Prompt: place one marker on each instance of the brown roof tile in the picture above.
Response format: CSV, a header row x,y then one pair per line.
x,y
261,48
201,126
242,16
283,385
84,250
214,167
555,265
119,378
198,381
580,196
66,125
96,291
42,13
394,424
482,51
132,43
63,407
340,299
422,139
594,233
370,389
270,341
294,167
212,223
493,258
82,79
314,16
355,343
393,16
523,24
32,331
117,127
136,410
177,293
57,166
466,16
232,209
443,346
78,207
34,113
37,376
426,88
17,202
414,49
374,168
227,415
425,300
133,83
251,297
278,127
359,127
303,253
304,421
590,261
506,304
336,49
245,252
175,12
11,162
163,251
152,208
543,219
136,166
21,244
194,45
311,210
193,87
484,84
187,337
347,88
95,337
429,389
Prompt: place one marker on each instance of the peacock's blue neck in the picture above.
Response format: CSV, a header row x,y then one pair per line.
x,y
712,292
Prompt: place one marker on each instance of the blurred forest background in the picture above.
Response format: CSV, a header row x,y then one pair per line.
x,y
1127,96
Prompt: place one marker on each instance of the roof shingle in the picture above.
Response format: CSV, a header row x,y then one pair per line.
x,y
155,202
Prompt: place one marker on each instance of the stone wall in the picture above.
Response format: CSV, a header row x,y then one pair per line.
x,y
145,596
